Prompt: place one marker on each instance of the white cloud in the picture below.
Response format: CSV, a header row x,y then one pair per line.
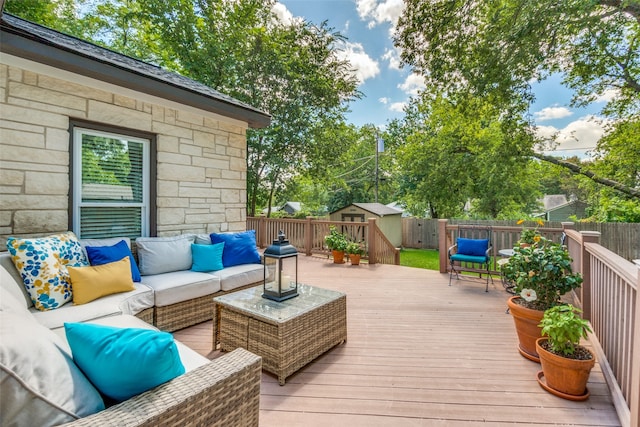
x,y
384,100
283,13
412,84
551,113
398,106
377,12
608,95
392,56
364,67
582,134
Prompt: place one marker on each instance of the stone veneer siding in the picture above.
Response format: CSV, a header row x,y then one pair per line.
x,y
201,157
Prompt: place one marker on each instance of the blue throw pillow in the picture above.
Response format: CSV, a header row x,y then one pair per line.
x,y
473,247
99,255
207,257
123,362
239,248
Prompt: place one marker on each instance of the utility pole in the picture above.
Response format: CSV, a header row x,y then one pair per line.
x,y
379,149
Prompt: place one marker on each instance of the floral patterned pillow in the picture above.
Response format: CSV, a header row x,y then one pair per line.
x,y
42,263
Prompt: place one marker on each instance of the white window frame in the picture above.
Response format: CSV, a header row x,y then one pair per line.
x,y
78,203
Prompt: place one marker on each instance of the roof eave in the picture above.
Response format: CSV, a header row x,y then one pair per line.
x,y
19,43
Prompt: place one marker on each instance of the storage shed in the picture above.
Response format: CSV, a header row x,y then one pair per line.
x,y
389,220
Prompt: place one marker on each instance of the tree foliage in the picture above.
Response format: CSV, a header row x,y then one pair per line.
x,y
495,48
453,151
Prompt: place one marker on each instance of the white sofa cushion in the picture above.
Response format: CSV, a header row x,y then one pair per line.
x,y
158,255
239,275
178,286
132,302
40,384
15,286
11,298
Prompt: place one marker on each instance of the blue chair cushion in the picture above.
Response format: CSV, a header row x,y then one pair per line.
x,y
473,247
469,258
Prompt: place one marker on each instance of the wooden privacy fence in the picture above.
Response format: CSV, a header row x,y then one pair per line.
x,y
307,235
621,238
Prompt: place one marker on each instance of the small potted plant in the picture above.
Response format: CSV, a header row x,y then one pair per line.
x,y
337,244
565,363
355,251
541,274
530,236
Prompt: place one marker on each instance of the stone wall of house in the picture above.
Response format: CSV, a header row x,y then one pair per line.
x,y
201,170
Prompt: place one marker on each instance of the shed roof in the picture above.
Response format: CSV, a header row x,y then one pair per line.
x,y
41,44
375,208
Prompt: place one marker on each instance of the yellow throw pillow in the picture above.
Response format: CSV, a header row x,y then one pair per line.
x,y
90,283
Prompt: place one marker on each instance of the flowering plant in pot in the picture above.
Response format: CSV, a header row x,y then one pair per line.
x,y
337,243
541,275
565,363
530,236
355,251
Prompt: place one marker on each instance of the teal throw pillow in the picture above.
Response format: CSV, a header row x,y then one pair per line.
x,y
239,248
123,362
207,257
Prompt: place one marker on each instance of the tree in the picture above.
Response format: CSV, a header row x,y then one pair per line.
x,y
290,70
493,50
462,149
496,48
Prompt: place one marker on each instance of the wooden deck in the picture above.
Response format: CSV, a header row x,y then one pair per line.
x,y
419,353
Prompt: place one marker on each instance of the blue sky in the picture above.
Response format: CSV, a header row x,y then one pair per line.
x,y
368,25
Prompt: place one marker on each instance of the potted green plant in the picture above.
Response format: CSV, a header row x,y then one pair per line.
x,y
530,236
541,275
355,251
337,244
566,364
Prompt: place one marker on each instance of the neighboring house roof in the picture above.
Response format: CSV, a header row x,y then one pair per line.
x,y
375,208
296,206
40,44
550,201
577,203
400,207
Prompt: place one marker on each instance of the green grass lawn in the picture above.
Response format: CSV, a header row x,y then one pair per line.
x,y
420,258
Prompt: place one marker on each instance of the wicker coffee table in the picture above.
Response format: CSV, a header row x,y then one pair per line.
x,y
288,334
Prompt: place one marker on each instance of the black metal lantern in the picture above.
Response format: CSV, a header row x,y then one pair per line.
x,y
280,270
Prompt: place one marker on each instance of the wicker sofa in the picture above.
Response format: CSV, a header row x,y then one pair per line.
x,y
37,391
169,295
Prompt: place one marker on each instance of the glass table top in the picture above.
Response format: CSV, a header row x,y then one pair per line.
x,y
251,301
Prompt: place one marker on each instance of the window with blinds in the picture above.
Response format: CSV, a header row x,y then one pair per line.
x,y
110,184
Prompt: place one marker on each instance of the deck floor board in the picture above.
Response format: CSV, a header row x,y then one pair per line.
x,y
418,353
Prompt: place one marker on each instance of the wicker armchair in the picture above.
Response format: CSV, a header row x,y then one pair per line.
x,y
225,392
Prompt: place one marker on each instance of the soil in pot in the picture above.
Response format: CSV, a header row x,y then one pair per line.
x,y
526,321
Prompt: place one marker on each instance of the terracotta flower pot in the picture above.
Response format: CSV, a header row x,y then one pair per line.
x,y
564,377
338,257
355,259
526,322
